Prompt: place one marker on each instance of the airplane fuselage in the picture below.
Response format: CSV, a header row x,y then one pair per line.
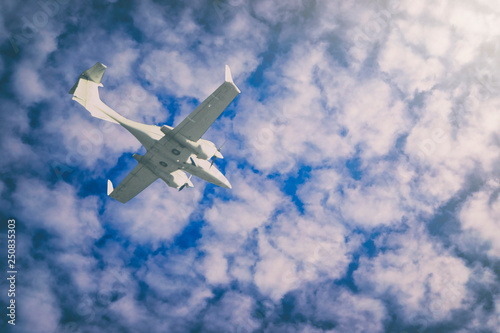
x,y
164,157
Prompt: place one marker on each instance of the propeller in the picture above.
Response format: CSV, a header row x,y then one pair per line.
x,y
215,157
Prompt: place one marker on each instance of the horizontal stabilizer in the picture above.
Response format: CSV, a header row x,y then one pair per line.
x,y
93,74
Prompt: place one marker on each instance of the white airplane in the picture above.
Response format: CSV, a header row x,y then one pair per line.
x,y
171,152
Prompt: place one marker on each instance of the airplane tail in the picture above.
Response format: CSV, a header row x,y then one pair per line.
x,y
85,91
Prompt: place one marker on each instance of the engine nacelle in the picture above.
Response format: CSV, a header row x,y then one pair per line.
x,y
203,149
206,149
178,179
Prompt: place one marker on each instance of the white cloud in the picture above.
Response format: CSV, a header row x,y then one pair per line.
x,y
122,65
37,304
354,313
215,268
233,313
252,203
320,192
168,212
136,103
417,34
82,269
373,201
59,211
473,18
187,63
372,206
277,265
89,140
29,85
332,309
411,71
481,213
445,154
427,281
372,117
323,253
284,266
275,272
130,312
278,12
179,292
291,123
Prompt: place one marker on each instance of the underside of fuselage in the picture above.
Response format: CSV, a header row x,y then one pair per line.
x,y
163,159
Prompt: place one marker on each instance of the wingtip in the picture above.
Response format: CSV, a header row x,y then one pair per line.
x,y
229,78
110,187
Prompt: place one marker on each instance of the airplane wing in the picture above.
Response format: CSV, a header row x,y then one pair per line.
x,y
137,180
198,122
193,127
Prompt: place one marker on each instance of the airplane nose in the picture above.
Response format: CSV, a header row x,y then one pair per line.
x,y
218,178
226,184
223,182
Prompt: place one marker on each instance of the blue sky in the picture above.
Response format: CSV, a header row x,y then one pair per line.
x,y
363,154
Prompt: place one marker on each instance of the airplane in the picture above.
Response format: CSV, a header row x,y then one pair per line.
x,y
171,152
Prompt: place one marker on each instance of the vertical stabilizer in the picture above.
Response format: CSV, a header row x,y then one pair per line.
x,y
86,92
